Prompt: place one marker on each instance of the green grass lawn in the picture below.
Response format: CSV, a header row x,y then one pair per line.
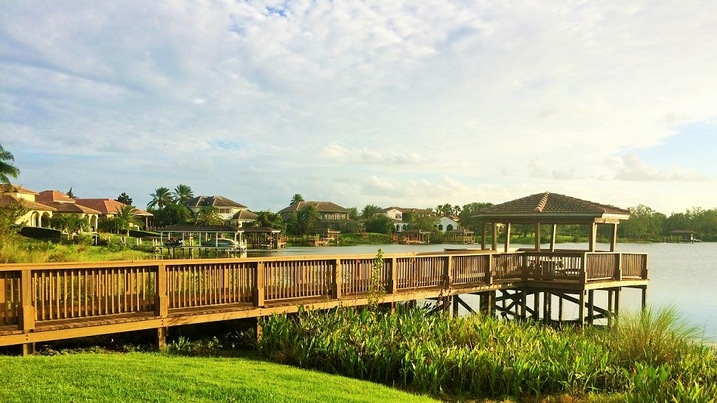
x,y
163,378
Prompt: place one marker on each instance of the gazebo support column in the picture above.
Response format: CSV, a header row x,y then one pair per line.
x,y
506,245
494,240
553,237
613,240
593,237
537,236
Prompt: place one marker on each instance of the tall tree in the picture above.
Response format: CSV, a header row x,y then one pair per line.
x,y
125,218
161,198
124,199
269,219
208,216
369,210
70,194
183,193
296,198
6,167
308,217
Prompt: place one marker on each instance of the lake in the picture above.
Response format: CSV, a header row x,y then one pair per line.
x,y
681,274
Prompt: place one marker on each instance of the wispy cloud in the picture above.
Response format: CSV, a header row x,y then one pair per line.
x,y
397,96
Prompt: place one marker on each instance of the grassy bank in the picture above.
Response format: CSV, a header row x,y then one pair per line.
x,y
650,357
161,378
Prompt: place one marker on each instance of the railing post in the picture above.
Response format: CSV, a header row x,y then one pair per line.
x,y
393,286
645,270
449,272
161,307
618,267
28,310
259,285
489,270
337,292
584,269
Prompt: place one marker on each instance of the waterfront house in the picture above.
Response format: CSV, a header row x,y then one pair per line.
x,y
108,208
65,205
230,211
331,214
37,214
403,216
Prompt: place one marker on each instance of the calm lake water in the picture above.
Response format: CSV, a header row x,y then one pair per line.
x,y
681,275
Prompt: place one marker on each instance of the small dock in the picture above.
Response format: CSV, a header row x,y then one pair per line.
x,y
46,302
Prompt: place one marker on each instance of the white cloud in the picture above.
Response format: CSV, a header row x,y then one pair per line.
x,y
634,169
433,100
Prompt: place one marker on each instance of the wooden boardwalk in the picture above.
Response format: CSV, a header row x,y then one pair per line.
x,y
46,302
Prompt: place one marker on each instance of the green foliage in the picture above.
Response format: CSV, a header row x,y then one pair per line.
x,y
296,198
182,194
208,216
379,224
42,233
171,215
9,215
161,198
477,357
369,211
7,169
271,220
124,199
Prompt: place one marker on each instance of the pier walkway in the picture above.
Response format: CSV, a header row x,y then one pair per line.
x,y
46,302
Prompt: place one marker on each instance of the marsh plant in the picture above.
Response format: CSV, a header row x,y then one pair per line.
x,y
477,356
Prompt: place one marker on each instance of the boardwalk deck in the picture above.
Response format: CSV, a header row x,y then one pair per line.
x,y
44,302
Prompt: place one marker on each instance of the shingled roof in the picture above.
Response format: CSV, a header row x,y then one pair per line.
x,y
321,207
213,201
552,207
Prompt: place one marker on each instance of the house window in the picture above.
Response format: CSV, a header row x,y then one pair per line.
x,y
449,227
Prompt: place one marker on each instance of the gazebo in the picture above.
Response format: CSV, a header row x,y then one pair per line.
x,y
550,209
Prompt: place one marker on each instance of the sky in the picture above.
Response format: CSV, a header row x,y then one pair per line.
x,y
388,103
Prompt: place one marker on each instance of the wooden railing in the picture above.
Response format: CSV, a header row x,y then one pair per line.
x,y
33,295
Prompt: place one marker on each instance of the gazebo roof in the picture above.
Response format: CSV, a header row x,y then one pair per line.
x,y
552,208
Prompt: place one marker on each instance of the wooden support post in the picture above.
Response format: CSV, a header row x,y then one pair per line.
x,y
27,349
618,291
161,307
485,235
644,298
393,286
553,237
537,236
259,285
162,338
259,329
337,291
591,306
456,304
494,240
521,294
536,306
28,310
547,306
610,306
593,237
613,239
506,245
581,309
560,309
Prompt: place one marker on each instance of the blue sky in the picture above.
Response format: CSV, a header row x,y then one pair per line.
x,y
402,103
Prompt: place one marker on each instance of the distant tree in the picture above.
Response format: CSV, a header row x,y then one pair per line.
x,y
369,210
303,221
467,215
447,209
645,224
171,215
271,220
68,223
208,216
9,216
353,213
379,224
6,167
123,198
70,194
161,198
183,193
296,198
126,217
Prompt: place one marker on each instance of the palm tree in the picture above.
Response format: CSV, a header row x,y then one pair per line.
x,y
6,167
126,216
296,198
183,193
161,198
208,216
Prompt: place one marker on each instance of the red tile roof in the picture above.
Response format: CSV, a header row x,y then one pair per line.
x,y
108,206
53,196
